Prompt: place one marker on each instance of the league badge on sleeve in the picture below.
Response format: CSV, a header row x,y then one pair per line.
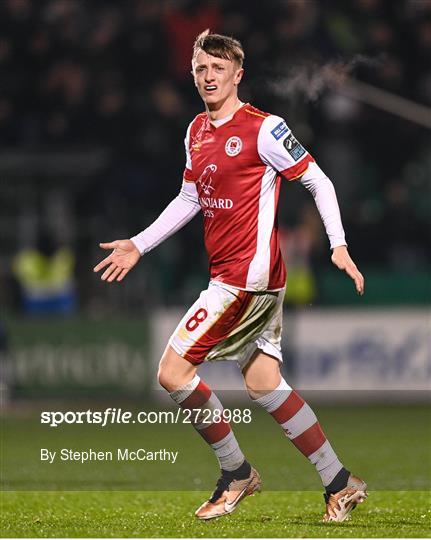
x,y
233,146
295,149
279,130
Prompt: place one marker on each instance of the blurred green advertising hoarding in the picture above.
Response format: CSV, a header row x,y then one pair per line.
x,y
60,357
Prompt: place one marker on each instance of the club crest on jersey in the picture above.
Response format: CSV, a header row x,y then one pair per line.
x,y
295,149
279,130
233,146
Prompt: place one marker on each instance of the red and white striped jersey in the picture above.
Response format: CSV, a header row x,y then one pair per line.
x,y
237,169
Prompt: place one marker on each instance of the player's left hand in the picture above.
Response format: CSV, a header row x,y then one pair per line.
x,y
341,259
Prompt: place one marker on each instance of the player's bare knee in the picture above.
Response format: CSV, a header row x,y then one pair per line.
x,y
261,375
255,392
167,378
174,371
163,378
170,380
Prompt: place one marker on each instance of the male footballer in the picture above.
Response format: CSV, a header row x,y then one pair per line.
x,y
236,158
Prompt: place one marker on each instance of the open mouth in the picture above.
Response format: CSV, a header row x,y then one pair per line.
x,y
210,88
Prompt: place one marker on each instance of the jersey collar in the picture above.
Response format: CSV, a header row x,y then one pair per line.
x,y
211,127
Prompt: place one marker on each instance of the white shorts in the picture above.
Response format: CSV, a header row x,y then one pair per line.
x,y
230,324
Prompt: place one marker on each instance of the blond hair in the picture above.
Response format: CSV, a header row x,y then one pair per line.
x,y
220,46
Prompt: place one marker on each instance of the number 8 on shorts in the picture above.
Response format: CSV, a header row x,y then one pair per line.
x,y
194,321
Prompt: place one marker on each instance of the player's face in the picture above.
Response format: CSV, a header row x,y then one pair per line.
x,y
216,79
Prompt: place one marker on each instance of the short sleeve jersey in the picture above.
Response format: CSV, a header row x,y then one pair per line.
x,y
237,168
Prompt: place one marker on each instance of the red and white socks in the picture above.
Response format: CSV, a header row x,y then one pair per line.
x,y
296,418
301,426
215,430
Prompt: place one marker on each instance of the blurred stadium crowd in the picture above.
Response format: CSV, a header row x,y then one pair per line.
x,y
111,75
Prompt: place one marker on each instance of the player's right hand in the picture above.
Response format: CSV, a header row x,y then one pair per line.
x,y
120,261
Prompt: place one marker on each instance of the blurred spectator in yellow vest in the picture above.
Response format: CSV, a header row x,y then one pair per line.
x,y
45,277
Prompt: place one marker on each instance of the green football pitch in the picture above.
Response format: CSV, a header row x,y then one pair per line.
x,y
389,446
392,514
